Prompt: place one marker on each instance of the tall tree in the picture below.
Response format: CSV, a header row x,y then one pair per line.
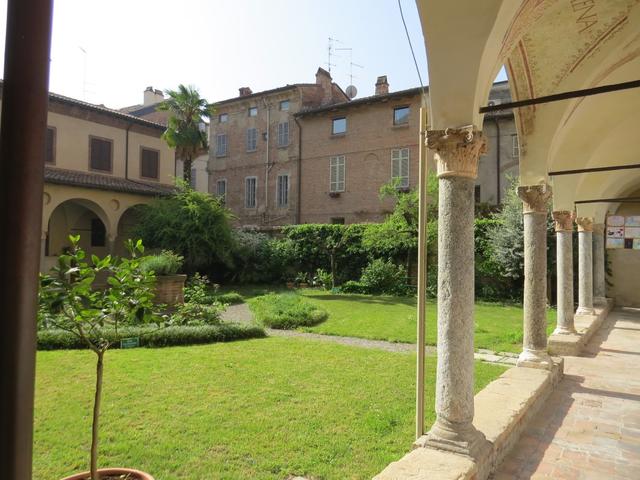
x,y
187,114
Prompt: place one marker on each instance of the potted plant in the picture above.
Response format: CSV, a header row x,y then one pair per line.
x,y
302,280
291,282
169,284
68,302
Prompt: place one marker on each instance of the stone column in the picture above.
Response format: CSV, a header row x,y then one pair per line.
x,y
111,244
456,154
564,261
599,292
585,266
43,250
534,200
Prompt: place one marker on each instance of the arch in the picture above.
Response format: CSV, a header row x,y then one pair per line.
x,y
126,222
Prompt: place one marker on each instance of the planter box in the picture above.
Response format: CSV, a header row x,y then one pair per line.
x,y
170,289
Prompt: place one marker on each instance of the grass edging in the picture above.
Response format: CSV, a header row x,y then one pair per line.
x,y
153,337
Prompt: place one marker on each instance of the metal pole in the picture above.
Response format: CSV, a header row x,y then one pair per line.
x,y
422,272
22,153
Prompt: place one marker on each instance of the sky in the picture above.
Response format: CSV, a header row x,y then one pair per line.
x,y
109,51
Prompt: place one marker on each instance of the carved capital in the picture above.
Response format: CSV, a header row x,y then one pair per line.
x,y
563,220
534,197
456,151
585,224
598,228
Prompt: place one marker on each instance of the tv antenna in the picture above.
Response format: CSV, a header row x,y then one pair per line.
x,y
330,49
351,91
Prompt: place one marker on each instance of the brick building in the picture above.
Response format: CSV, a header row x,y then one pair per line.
x,y
255,149
336,155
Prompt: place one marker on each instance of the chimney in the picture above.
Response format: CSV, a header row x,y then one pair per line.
x,y
245,91
152,96
382,86
324,80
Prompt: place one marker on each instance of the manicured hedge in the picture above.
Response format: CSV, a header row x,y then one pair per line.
x,y
153,337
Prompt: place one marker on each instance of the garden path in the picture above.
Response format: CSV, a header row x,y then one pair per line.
x,y
590,425
242,314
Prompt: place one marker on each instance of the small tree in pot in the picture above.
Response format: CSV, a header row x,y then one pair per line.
x,y
69,302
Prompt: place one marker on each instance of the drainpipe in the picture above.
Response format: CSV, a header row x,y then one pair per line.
x,y
499,188
267,164
126,152
299,180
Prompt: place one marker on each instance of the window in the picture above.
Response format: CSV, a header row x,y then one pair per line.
x,y
283,134
336,182
252,139
253,111
476,194
337,220
339,126
223,118
100,157
283,190
51,145
400,166
221,190
401,115
250,187
149,163
98,233
193,182
221,145
515,152
284,105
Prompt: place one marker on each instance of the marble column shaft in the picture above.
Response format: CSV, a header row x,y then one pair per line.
x,y
564,265
599,287
585,266
456,153
534,199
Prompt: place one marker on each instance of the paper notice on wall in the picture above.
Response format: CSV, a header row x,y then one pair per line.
x,y
632,221
615,242
615,221
632,232
615,232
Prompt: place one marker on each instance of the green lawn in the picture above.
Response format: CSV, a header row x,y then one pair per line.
x,y
259,409
498,327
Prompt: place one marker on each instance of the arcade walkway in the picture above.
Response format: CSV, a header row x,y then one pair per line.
x,y
590,427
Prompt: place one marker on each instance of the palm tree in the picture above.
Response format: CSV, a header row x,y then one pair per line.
x,y
187,114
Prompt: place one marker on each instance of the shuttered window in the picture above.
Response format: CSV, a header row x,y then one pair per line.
x,y
51,146
149,163
250,187
283,134
221,190
337,174
400,166
221,145
100,154
283,190
252,139
194,179
98,233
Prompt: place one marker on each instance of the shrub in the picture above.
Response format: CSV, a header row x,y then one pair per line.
x,y
258,258
165,263
383,276
286,311
195,314
193,224
230,298
197,290
154,337
322,279
351,286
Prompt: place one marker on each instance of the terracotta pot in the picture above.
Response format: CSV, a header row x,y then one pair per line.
x,y
170,289
304,285
135,474
290,285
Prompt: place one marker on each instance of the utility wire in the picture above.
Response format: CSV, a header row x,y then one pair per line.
x,y
415,61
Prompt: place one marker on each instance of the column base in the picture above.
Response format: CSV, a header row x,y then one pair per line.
x,y
535,359
564,331
585,311
462,439
600,300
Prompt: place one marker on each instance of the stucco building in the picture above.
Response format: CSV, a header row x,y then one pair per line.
x,y
99,164
314,171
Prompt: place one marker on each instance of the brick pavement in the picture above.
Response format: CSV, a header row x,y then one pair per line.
x,y
590,426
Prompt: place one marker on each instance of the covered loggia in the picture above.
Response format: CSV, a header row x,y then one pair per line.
x,y
574,72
